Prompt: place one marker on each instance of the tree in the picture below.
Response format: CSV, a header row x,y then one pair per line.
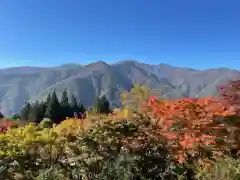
x,y
16,117
37,111
53,109
48,98
65,106
76,107
102,105
1,115
25,111
33,113
81,108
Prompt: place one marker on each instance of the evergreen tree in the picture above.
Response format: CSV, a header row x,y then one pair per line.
x,y
81,108
16,117
76,107
64,99
25,112
65,106
1,115
42,110
34,114
48,98
102,105
53,109
73,105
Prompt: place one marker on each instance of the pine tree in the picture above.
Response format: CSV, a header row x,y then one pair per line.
x,y
25,112
76,107
102,105
34,115
53,109
48,98
98,104
81,108
65,106
1,115
42,110
16,117
105,105
73,105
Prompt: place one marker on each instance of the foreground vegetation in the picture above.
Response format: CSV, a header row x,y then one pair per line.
x,y
150,138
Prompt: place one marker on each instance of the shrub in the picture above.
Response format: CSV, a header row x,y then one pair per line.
x,y
225,168
46,123
193,126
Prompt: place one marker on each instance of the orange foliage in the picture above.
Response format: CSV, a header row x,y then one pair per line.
x,y
195,122
5,124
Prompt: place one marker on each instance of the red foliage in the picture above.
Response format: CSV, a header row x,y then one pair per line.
x,y
4,125
195,122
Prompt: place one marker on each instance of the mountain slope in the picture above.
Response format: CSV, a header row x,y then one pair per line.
x,y
86,82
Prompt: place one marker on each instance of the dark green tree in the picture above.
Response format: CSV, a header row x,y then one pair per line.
x,y
65,106
34,115
16,117
25,112
53,109
1,115
48,98
81,108
102,105
73,101
76,107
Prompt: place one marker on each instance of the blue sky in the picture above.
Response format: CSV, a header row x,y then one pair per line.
x,y
193,33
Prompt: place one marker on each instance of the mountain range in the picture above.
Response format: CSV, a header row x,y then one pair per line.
x,y
20,84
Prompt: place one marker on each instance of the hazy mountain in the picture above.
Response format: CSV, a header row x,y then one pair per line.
x,y
30,83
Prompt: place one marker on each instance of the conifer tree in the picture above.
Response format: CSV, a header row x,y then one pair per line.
x,y
53,109
102,105
26,111
76,107
34,114
65,106
1,115
48,98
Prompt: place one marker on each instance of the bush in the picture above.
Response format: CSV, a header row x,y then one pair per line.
x,y
46,123
225,168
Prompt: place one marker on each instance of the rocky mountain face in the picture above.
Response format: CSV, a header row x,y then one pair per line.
x,y
86,82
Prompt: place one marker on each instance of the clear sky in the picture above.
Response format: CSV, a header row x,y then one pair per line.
x,y
194,33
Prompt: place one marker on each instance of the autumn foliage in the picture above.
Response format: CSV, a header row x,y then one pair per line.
x,y
5,124
190,125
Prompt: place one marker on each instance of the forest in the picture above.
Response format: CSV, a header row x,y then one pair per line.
x,y
150,138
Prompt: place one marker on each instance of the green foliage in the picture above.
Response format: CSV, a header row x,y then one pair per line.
x,y
225,168
53,108
16,117
66,110
102,105
76,107
37,111
46,123
26,111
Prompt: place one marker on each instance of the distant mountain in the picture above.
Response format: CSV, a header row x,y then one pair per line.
x,y
86,82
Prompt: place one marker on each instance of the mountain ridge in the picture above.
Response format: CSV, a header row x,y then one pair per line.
x,y
19,84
